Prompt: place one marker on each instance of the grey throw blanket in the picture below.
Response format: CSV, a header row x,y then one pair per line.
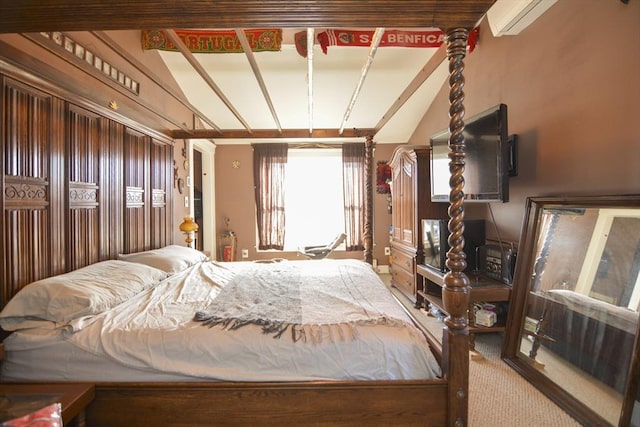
x,y
314,300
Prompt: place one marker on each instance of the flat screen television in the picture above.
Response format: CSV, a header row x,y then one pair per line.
x,y
488,158
435,238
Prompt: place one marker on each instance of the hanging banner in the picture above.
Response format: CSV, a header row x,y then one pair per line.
x,y
391,38
219,41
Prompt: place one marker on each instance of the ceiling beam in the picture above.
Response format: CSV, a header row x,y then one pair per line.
x,y
93,15
310,40
422,76
190,57
242,37
270,134
375,42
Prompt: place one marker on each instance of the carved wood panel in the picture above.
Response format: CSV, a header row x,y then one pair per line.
x,y
32,173
112,197
83,163
78,187
138,198
161,186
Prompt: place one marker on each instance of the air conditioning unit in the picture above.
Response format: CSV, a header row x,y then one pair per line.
x,y
510,17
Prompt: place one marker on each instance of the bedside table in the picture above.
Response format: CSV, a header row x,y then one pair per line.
x,y
74,397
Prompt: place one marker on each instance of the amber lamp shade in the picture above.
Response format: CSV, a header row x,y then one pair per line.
x,y
189,227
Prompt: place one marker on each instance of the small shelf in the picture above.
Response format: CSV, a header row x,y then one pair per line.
x,y
433,299
429,284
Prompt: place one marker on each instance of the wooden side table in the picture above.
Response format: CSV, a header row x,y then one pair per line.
x,y
429,285
74,397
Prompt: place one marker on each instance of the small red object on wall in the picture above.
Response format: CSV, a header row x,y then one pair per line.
x,y
228,253
383,177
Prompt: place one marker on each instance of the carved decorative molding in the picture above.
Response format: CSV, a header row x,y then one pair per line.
x,y
135,197
83,195
74,48
20,191
158,198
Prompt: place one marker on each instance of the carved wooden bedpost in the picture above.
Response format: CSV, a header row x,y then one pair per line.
x,y
368,200
455,292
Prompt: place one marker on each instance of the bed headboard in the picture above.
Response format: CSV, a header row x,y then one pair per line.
x,y
78,187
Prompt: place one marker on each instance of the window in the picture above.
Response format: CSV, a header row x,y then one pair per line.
x,y
314,202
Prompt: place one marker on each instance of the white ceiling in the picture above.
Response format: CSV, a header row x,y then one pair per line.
x,y
335,77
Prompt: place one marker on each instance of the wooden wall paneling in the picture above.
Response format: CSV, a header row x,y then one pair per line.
x,y
161,180
167,171
32,179
3,219
112,194
78,186
137,187
83,163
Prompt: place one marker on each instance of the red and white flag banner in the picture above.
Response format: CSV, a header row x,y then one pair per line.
x,y
391,38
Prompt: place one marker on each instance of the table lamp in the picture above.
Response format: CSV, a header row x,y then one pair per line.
x,y
188,227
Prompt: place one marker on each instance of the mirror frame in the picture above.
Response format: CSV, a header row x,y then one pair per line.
x,y
521,285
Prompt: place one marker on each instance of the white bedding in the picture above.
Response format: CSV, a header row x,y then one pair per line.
x,y
153,337
619,317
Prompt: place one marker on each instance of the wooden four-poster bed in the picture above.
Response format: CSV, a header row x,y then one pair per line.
x,y
434,402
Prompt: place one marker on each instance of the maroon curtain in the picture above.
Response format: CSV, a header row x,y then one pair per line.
x,y
353,174
269,161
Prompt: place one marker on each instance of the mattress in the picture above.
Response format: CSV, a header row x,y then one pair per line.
x,y
153,337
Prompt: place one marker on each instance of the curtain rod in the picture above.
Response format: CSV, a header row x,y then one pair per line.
x,y
318,145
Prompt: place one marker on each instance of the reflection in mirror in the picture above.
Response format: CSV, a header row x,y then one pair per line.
x,y
577,293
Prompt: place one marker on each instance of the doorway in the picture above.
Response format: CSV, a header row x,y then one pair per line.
x,y
198,213
203,196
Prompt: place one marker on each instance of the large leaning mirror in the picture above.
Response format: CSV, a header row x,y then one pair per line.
x,y
574,309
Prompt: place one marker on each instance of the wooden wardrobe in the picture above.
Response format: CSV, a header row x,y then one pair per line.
x,y
411,202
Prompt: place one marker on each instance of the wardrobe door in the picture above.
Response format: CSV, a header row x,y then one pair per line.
x,y
408,199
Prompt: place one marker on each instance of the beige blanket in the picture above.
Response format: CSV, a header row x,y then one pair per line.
x,y
312,300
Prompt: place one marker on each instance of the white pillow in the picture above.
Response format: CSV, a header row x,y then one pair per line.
x,y
86,291
172,259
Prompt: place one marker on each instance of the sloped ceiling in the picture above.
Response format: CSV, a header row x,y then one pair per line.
x,y
395,93
335,77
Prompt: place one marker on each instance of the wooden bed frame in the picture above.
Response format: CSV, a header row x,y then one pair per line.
x,y
77,234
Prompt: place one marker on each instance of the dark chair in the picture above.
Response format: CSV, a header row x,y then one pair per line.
x,y
319,252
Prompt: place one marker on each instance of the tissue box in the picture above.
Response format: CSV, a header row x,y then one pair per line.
x,y
485,318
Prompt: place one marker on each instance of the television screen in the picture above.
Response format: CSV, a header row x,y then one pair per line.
x,y
486,172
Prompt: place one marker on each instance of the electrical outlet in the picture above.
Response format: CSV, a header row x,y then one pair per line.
x,y
245,253
387,250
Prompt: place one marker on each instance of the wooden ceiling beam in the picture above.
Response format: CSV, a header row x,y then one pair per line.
x,y
270,134
373,48
94,15
422,76
242,37
191,59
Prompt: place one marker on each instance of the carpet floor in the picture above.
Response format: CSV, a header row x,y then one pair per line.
x,y
498,396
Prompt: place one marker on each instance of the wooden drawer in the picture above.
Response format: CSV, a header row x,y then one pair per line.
x,y
402,260
403,280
